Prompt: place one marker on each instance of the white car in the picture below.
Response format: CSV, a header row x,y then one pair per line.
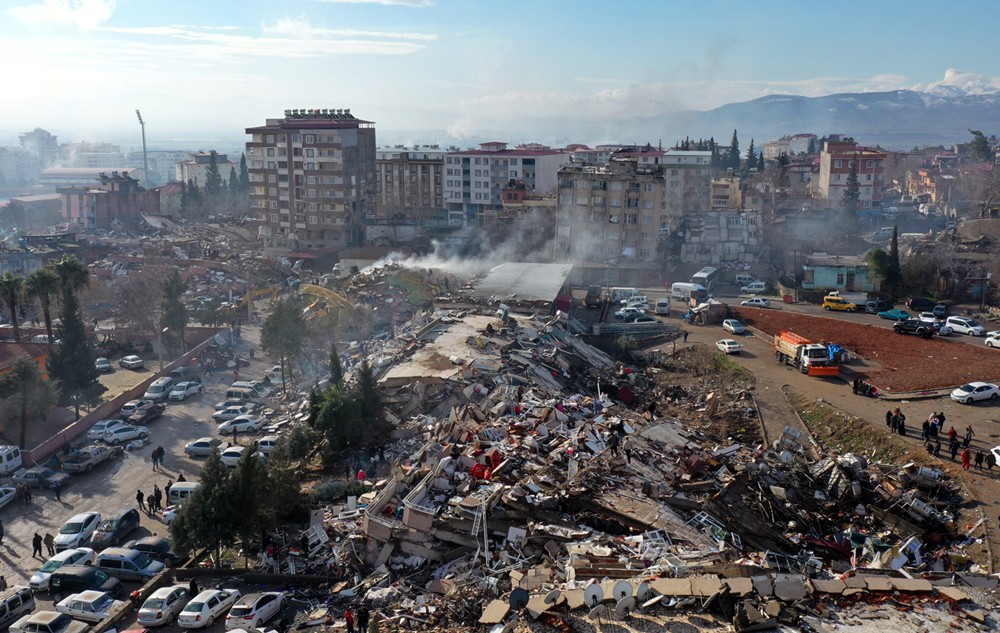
x,y
203,447
76,556
757,302
728,346
96,432
7,495
163,605
734,327
77,530
255,609
231,456
965,325
241,424
89,606
182,390
167,514
135,406
124,433
274,374
974,391
131,362
267,444
231,412
48,622
934,322
993,339
629,311
206,608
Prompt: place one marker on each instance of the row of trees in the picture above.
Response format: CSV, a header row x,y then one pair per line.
x,y
218,193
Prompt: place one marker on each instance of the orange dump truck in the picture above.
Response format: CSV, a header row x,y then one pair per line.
x,y
815,359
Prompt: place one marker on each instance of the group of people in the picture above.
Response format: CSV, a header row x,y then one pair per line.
x,y
22,493
864,388
933,424
157,456
931,435
896,420
152,502
357,621
36,545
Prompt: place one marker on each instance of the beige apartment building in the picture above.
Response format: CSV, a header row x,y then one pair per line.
x,y
409,185
312,180
688,176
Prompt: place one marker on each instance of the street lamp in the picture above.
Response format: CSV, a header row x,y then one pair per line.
x,y
159,344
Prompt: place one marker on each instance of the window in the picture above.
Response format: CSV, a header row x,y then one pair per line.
x,y
310,153
583,200
270,151
616,202
617,185
631,218
837,164
310,138
566,198
273,217
313,219
644,253
869,163
648,186
598,201
840,277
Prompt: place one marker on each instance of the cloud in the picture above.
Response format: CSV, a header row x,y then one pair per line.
x,y
402,3
85,14
302,28
962,81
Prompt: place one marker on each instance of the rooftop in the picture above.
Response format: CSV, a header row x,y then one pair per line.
x,y
526,282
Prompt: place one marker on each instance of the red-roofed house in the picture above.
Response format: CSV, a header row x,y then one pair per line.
x,y
11,352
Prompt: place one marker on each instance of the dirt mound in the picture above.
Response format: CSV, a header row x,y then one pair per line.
x,y
900,362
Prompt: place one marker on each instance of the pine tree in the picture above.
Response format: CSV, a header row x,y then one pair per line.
x,y
852,194
174,314
72,362
244,174
980,147
213,179
760,162
893,271
751,156
812,146
733,161
336,371
208,518
284,334
185,200
234,183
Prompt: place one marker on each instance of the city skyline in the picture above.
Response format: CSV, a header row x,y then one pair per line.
x,y
201,72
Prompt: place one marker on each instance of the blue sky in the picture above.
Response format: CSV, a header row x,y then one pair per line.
x,y
460,69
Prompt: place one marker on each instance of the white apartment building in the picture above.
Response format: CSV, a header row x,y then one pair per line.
x,y
194,168
474,179
789,146
162,164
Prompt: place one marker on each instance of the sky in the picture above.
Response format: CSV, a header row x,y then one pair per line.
x,y
455,71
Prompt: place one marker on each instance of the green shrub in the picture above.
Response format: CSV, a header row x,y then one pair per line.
x,y
337,491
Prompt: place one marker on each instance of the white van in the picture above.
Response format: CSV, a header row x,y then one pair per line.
x,y
682,291
662,306
744,278
159,389
10,459
617,294
180,491
753,288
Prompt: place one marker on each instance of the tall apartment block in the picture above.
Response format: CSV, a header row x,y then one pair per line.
x,y
474,180
409,185
312,179
688,176
835,167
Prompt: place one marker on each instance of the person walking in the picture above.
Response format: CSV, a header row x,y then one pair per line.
x,y
1,533
158,496
685,336
57,488
193,588
627,445
979,460
50,544
926,430
36,545
937,448
613,443
139,499
952,433
954,449
349,618
991,461
160,454
166,489
969,434
888,417
966,459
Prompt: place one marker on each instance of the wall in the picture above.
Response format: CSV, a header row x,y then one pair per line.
x,y
105,410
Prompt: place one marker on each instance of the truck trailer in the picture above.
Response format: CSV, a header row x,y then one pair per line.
x,y
815,359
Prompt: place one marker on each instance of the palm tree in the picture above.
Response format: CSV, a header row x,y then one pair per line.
x,y
41,285
73,274
11,289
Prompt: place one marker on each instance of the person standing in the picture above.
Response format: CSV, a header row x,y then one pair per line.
x,y
966,459
36,545
627,446
363,616
57,488
50,544
1,532
139,498
349,618
979,460
952,433
991,461
888,417
685,336
193,588
149,504
613,443
969,434
153,457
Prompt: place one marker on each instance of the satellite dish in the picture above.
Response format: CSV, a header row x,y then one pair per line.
x,y
600,612
642,591
593,595
518,599
624,606
623,589
652,601
553,596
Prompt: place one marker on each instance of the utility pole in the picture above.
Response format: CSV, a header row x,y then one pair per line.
x,y
145,158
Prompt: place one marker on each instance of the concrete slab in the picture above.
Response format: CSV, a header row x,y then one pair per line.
x,y
495,612
835,586
672,586
705,585
739,586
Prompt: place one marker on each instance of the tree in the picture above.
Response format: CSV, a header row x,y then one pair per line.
x,y
207,519
852,194
893,273
369,398
213,179
760,162
751,156
980,147
812,146
73,275
42,285
234,183
244,174
72,361
185,200
210,313
336,371
247,485
734,153
12,290
174,316
25,395
337,417
284,334
878,266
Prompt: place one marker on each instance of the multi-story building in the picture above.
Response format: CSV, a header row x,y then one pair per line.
x,y
409,185
19,168
474,179
721,236
726,193
42,144
117,196
97,155
835,167
789,146
312,179
195,168
610,212
162,164
688,177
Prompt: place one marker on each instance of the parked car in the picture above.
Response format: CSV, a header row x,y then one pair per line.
x,y
965,325
232,455
877,305
128,564
255,609
241,424
182,390
89,606
728,346
756,302
125,433
645,318
975,391
734,327
624,313
940,310
103,365
48,622
932,321
993,339
7,494
274,374
131,362
134,406
75,556
158,547
267,444
144,416
231,412
839,304
39,477
96,432
894,315
113,529
204,446
206,608
83,460
163,605
233,402
913,326
77,530
920,304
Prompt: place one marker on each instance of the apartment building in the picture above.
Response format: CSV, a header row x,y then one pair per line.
x,y
162,164
722,236
409,185
688,178
835,167
726,193
195,168
612,212
312,179
789,146
116,196
474,179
